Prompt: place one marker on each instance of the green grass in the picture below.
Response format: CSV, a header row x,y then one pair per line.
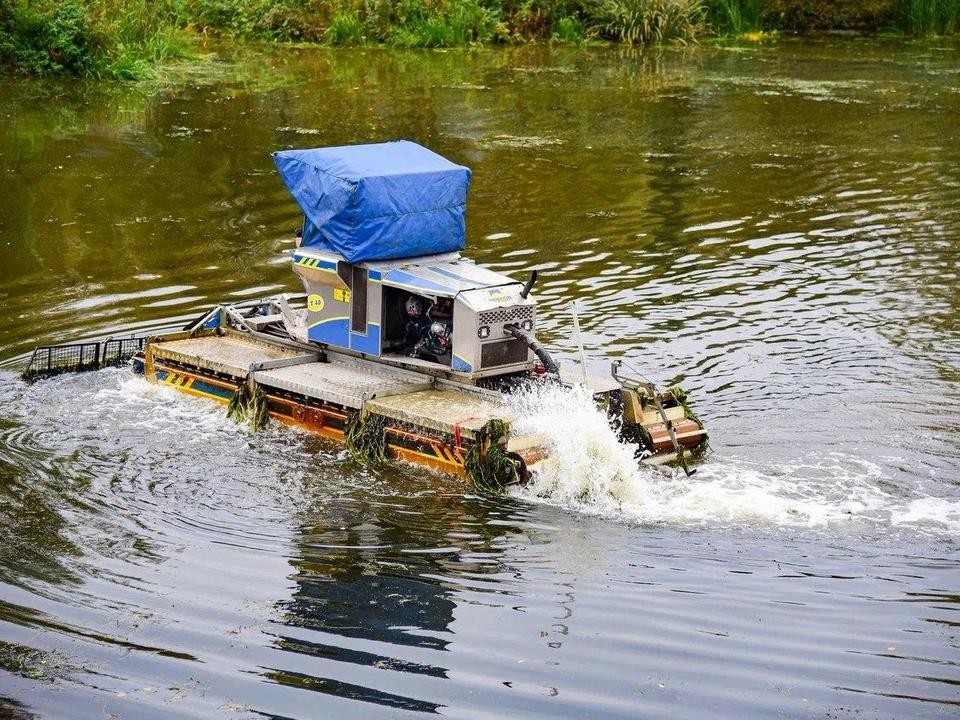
x,y
345,29
456,24
569,30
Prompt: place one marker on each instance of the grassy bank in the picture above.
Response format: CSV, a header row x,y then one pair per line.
x,y
126,38
120,39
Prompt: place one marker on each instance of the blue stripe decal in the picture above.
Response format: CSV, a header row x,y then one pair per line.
x,y
200,386
332,332
368,343
405,278
471,284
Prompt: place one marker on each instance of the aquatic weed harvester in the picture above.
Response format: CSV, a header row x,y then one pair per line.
x,y
399,347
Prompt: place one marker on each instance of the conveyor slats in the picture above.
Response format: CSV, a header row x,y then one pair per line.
x,y
441,410
338,382
342,381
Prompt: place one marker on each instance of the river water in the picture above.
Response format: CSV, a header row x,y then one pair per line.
x,y
777,227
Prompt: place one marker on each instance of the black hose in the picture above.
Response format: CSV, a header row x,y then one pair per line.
x,y
549,365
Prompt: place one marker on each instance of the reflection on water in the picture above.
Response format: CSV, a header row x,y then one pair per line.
x,y
777,227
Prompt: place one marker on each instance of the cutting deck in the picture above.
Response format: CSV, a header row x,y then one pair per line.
x,y
227,353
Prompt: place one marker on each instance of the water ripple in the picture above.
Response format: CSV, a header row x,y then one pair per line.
x,y
775,227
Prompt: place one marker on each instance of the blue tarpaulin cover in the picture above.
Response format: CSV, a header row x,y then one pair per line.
x,y
377,202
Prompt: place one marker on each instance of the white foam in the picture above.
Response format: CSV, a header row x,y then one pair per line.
x,y
590,471
587,463
942,512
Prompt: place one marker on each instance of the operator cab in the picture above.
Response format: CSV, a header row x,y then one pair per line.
x,y
440,311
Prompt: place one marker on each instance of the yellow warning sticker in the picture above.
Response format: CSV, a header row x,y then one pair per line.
x,y
341,295
314,303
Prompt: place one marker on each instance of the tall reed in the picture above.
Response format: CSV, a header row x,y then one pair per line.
x,y
639,22
735,17
930,17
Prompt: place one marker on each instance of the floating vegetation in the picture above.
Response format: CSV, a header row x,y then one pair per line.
x,y
518,141
298,130
680,397
488,464
840,91
466,86
32,664
366,438
249,403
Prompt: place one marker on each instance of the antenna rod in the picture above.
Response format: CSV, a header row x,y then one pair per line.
x,y
576,327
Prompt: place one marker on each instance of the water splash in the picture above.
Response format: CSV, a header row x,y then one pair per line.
x,y
589,470
588,465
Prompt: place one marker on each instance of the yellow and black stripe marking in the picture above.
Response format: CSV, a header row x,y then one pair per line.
x,y
408,445
315,263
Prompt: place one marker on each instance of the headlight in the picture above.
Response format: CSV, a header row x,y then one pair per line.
x,y
483,331
527,325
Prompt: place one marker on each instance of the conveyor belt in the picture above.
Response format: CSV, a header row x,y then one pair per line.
x,y
227,354
448,411
341,383
395,393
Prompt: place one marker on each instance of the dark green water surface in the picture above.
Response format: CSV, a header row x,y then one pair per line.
x,y
776,227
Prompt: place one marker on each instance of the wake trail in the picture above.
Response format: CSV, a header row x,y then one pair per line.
x,y
589,470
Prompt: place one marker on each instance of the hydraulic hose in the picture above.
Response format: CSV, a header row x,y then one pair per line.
x,y
549,365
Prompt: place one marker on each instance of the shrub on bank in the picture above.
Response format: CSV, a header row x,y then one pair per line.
x,y
808,15
118,39
913,17
431,23
44,41
435,23
639,22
